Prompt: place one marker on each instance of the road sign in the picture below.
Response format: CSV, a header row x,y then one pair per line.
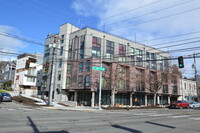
x,y
98,68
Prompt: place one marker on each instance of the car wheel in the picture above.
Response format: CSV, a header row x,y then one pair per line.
x,y
193,106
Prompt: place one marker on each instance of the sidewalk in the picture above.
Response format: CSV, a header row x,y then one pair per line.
x,y
56,105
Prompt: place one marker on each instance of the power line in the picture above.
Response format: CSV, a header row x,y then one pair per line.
x,y
52,7
55,14
151,12
31,11
170,36
125,12
167,16
19,38
176,41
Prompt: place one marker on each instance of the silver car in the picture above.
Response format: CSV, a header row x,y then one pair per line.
x,y
194,105
6,97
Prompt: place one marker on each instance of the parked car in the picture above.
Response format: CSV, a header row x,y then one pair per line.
x,y
1,98
179,104
194,105
6,97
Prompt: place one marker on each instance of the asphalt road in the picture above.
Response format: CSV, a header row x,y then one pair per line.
x,y
17,118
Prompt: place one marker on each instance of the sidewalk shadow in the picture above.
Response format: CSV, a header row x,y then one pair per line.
x,y
126,128
35,129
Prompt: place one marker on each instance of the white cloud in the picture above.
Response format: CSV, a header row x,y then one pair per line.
x,y
8,44
106,12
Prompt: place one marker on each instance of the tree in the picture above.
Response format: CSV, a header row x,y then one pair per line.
x,y
154,81
114,77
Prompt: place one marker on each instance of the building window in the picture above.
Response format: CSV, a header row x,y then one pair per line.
x,y
161,63
139,57
81,67
80,81
69,68
132,56
70,50
109,50
68,81
61,50
96,54
153,62
165,88
166,63
87,65
109,56
30,79
31,71
82,47
96,42
59,75
175,91
62,38
60,63
96,47
87,80
122,53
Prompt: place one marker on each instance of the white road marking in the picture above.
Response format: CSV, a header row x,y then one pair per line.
x,y
25,109
10,109
160,115
180,116
195,118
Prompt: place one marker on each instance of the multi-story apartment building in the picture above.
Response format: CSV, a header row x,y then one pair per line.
x,y
7,71
81,49
188,90
28,81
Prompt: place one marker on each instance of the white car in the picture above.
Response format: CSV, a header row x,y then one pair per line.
x,y
194,105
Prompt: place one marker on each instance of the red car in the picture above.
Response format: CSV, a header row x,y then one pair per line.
x,y
179,104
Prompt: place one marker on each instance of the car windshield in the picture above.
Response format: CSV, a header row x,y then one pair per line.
x,y
192,103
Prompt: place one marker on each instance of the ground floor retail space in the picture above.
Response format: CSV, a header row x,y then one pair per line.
x,y
88,98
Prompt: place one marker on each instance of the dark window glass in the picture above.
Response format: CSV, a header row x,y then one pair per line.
x,y
81,67
87,80
61,50
80,81
88,65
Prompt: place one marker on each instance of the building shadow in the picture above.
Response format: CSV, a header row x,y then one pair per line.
x,y
126,128
162,125
35,129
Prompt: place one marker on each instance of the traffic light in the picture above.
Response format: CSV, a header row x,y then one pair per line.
x,y
46,69
180,62
27,64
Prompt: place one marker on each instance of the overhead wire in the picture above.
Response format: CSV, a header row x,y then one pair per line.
x,y
166,8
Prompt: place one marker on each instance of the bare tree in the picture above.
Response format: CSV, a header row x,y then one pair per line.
x,y
154,80
114,78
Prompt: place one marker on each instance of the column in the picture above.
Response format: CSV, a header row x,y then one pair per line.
x,y
168,99
131,99
145,100
158,99
75,96
92,100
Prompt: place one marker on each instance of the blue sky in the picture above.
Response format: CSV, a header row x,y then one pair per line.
x,y
133,19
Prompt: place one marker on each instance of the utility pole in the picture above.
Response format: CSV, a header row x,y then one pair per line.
x,y
52,72
195,69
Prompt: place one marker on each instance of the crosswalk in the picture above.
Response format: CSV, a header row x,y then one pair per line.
x,y
170,115
22,108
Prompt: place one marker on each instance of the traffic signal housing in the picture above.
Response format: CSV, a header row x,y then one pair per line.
x,y
180,62
46,69
27,65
